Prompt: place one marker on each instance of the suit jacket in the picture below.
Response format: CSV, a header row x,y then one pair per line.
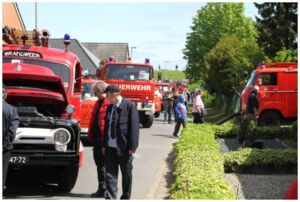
x,y
10,123
127,126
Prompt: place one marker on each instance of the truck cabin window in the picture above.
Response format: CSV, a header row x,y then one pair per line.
x,y
269,79
59,69
87,92
129,72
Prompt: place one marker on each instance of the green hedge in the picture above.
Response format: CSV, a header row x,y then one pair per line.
x,y
199,167
265,157
229,130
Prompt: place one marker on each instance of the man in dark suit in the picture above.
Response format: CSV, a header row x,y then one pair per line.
x,y
10,123
121,141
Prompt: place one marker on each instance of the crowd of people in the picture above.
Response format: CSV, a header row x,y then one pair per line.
x,y
114,132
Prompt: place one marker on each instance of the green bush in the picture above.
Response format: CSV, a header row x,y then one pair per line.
x,y
265,157
226,130
199,167
294,131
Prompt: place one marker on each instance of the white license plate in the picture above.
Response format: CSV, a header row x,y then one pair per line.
x,y
19,160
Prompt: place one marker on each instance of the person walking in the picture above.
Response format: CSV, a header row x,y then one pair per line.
x,y
10,123
180,115
198,108
167,103
121,141
253,104
96,135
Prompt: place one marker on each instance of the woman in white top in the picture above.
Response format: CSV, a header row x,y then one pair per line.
x,y
198,107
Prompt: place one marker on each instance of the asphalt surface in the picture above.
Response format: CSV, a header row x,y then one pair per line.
x,y
155,145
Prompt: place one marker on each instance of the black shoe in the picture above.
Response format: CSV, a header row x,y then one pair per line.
x,y
175,135
98,194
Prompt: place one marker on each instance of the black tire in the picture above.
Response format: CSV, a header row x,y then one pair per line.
x,y
269,118
147,121
67,178
156,114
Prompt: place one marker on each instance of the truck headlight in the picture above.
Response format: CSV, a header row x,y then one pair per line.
x,y
61,138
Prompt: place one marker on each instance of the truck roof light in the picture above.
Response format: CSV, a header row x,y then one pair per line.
x,y
67,41
128,59
147,61
110,58
45,37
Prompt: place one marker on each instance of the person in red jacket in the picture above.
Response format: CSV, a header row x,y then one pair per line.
x,y
96,135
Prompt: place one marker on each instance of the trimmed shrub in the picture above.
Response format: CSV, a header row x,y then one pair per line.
x,y
265,157
199,167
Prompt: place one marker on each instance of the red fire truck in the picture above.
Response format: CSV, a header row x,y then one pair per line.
x,y
88,100
44,84
136,84
277,92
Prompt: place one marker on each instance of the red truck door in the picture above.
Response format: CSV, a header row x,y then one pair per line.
x,y
291,94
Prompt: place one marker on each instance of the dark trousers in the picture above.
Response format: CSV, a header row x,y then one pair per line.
x,y
178,124
100,163
112,162
5,162
167,112
198,117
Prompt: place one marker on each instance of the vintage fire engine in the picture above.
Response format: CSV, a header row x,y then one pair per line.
x,y
136,84
277,92
88,100
44,84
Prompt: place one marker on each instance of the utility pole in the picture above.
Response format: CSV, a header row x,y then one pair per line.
x,y
35,5
133,47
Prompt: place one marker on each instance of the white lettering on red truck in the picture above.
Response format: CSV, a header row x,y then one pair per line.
x,y
134,87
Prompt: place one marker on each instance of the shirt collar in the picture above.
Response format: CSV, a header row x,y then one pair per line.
x,y
119,101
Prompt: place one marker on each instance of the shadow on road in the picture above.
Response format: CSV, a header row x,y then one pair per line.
x,y
169,176
165,136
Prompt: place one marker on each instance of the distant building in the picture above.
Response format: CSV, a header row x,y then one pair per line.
x,y
103,50
87,59
11,16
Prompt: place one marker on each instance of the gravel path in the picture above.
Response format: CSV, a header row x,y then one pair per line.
x,y
260,186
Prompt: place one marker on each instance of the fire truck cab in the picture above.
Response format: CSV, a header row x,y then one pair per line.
x,y
44,84
88,100
136,84
277,92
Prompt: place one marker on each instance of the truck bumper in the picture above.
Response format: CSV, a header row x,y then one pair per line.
x,y
21,158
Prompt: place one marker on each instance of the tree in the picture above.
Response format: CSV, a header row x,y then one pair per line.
x,y
228,60
212,22
176,67
277,26
286,56
159,67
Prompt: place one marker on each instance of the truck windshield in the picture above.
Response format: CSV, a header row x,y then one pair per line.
x,y
129,72
251,80
59,69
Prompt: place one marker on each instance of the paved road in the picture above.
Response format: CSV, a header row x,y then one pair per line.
x,y
154,146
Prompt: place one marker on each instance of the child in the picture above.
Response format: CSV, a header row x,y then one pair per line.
x,y
180,115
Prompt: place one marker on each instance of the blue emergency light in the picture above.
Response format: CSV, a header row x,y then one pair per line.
x,y
110,58
147,61
66,41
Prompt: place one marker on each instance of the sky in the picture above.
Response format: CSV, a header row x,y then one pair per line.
x,y
156,30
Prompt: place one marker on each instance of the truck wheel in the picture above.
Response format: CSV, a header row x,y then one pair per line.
x,y
147,121
67,178
269,118
156,114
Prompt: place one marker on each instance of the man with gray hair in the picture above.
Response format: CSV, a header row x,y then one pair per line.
x,y
10,123
96,135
